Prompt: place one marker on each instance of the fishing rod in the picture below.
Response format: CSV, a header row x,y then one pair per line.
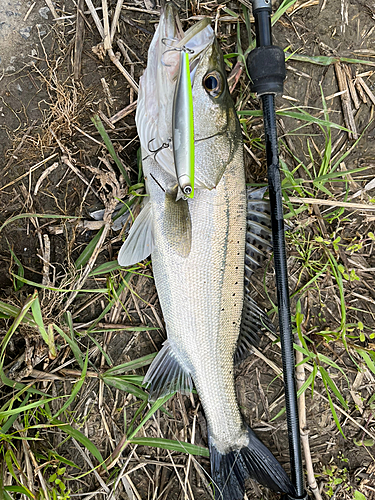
x,y
266,65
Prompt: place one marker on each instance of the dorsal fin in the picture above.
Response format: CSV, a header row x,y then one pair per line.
x,y
258,249
253,321
258,232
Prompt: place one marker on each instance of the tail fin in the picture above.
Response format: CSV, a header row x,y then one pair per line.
x,y
229,471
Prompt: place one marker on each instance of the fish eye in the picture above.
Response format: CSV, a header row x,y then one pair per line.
x,y
213,83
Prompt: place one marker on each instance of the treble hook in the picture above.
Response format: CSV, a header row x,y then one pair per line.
x,y
167,43
165,145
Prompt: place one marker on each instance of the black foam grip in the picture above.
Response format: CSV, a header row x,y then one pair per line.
x,y
266,67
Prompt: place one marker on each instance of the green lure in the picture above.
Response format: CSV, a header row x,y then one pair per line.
x,y
183,127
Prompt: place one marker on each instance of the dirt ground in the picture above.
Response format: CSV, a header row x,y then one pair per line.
x,y
52,161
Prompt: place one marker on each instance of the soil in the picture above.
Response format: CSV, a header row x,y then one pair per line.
x,y
45,126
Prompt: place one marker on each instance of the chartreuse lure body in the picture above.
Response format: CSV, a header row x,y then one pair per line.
x,y
183,127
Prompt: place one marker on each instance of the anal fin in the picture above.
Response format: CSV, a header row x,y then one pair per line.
x,y
167,375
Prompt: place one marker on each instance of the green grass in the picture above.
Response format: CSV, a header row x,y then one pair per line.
x,y
32,409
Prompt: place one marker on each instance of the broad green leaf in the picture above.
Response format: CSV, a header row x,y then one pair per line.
x,y
88,250
37,315
359,496
123,284
333,386
283,7
17,385
17,321
333,411
155,406
76,388
17,411
35,216
367,359
301,390
14,311
119,383
61,290
76,434
326,60
17,284
19,489
8,424
107,141
106,268
131,365
72,344
64,460
298,116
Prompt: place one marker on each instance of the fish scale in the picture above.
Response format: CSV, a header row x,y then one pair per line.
x,y
198,254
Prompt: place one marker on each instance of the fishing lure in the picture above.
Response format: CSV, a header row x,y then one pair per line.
x,y
183,126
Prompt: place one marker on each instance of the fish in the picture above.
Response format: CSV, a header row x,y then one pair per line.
x,y
203,250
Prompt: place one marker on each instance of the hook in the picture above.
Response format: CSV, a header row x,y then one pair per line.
x,y
165,145
167,43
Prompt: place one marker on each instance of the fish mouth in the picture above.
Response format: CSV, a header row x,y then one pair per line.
x,y
195,41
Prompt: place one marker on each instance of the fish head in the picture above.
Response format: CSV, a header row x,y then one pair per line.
x,y
217,130
158,82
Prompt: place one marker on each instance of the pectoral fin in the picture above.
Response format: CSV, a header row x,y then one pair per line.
x,y
167,375
140,242
177,224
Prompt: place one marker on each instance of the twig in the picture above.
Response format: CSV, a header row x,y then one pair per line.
x,y
29,11
366,89
300,378
137,9
95,16
119,66
88,135
124,112
345,101
332,203
351,85
106,120
53,12
67,162
106,35
46,258
270,363
116,17
34,167
80,35
122,473
44,175
91,465
30,454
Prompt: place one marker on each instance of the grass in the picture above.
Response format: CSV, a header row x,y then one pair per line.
x,y
49,445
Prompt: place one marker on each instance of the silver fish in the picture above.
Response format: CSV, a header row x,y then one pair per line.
x,y
200,250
